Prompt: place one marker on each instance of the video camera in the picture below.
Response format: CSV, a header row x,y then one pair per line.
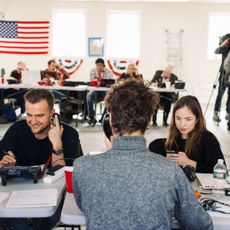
x,y
20,171
222,38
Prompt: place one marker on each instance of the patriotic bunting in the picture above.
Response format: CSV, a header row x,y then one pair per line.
x,y
70,66
119,66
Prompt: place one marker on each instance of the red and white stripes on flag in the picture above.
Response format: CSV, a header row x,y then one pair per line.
x,y
24,37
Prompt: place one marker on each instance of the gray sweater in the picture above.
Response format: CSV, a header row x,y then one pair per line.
x,y
131,188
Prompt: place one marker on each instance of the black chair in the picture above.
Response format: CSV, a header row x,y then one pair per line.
x,y
157,146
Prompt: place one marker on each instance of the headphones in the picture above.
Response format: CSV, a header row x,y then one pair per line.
x,y
106,126
210,204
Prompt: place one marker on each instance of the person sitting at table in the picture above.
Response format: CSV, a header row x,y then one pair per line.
x,y
131,71
128,187
35,141
188,136
18,94
96,74
17,73
166,99
54,72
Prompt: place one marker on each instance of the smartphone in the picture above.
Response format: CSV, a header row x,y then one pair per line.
x,y
53,122
170,152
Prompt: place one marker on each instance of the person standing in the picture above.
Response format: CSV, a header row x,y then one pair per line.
x,y
223,49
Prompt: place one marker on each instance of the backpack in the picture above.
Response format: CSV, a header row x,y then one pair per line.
x,y
68,107
9,113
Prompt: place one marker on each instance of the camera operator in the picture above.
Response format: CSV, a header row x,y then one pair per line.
x,y
223,49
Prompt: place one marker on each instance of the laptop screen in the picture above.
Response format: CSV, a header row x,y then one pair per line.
x,y
31,77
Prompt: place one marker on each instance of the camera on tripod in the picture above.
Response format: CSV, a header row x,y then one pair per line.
x,y
223,38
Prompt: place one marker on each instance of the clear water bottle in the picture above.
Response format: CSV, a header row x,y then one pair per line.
x,y
219,176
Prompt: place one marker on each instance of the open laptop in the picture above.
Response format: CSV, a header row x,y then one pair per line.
x,y
107,82
31,77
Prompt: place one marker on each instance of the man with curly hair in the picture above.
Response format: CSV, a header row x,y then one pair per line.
x,y
128,187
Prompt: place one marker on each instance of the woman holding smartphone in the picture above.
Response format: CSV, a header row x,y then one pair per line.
x,y
188,141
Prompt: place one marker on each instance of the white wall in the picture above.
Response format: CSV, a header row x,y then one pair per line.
x,y
197,70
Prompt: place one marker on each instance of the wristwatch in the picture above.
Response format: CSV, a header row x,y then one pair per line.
x,y
58,151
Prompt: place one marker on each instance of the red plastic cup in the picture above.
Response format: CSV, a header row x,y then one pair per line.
x,y
68,178
94,83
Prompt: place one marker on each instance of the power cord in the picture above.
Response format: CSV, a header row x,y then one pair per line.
x,y
210,204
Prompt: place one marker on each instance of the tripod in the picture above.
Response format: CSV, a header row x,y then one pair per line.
x,y
213,88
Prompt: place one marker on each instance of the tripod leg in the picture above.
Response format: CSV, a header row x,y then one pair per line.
x,y
210,97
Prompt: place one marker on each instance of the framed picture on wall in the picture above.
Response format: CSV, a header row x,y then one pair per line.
x,y
95,47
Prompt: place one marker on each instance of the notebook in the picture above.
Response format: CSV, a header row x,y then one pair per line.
x,y
31,77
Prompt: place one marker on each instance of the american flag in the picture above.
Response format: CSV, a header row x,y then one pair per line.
x,y
24,37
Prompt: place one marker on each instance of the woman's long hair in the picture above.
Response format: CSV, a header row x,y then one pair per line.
x,y
193,140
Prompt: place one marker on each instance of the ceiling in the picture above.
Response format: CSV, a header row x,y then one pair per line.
x,y
191,1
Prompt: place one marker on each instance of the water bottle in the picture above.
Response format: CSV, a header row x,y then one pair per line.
x,y
219,176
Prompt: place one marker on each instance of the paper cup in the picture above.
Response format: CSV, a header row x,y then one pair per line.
x,y
168,85
68,179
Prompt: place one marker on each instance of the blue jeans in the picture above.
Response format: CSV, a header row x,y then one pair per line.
x,y
221,89
91,97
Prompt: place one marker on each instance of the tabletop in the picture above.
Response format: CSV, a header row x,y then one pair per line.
x,y
72,215
27,184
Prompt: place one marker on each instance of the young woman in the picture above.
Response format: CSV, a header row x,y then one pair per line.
x,y
189,142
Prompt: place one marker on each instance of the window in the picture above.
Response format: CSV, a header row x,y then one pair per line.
x,y
218,26
123,34
69,33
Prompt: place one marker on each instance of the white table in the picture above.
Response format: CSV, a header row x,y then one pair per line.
x,y
27,184
72,215
169,90
80,88
37,86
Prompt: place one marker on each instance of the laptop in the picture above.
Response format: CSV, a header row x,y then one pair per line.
x,y
74,83
31,77
107,82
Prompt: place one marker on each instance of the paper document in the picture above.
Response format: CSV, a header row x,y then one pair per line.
x,y
33,198
206,181
3,196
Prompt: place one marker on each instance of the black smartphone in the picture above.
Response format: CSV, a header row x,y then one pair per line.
x,y
170,152
53,121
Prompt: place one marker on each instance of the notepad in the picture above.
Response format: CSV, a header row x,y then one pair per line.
x,y
33,198
206,181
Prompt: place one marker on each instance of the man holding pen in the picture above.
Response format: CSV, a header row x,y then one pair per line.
x,y
36,141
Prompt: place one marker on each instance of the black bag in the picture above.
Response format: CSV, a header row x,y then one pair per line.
x,y
68,107
173,97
